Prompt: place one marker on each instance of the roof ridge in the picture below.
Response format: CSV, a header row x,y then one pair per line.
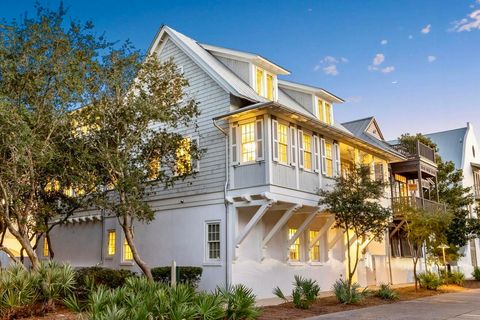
x,y
445,131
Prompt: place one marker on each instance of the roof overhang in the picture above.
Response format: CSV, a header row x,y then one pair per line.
x,y
311,90
475,165
319,126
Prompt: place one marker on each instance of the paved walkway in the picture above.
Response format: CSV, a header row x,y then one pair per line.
x,y
460,306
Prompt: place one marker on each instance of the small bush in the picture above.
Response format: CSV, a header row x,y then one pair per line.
x,y
429,280
386,292
456,277
190,275
476,273
348,294
240,302
304,293
96,276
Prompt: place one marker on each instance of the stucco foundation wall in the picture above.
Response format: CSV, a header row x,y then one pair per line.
x,y
402,270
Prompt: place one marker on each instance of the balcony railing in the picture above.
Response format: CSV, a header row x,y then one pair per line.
x,y
416,150
399,203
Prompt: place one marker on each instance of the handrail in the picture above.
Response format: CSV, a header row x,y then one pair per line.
x,y
417,202
415,150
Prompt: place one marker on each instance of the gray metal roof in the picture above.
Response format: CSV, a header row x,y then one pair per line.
x,y
450,144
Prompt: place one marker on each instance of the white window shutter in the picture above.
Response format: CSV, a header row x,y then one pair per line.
x,y
293,147
337,168
275,139
259,138
195,163
323,153
316,154
300,148
234,144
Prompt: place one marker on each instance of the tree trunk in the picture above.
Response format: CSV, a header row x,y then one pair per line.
x,y
415,260
127,229
25,243
349,259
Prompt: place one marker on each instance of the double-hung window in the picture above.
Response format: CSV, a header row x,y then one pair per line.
x,y
314,247
111,242
294,252
247,141
184,162
265,84
247,132
46,250
320,110
329,159
213,241
127,251
324,111
307,151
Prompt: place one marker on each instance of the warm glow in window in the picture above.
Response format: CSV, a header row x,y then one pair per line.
x,y
282,143
294,253
45,247
328,113
259,81
111,242
307,151
247,131
320,110
153,168
315,249
127,251
270,87
329,159
184,158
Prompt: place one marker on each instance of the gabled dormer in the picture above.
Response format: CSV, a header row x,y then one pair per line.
x,y
259,73
317,101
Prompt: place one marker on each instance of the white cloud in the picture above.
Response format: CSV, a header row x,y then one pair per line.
x,y
329,59
471,22
431,58
383,42
394,82
426,30
331,70
344,60
378,59
388,69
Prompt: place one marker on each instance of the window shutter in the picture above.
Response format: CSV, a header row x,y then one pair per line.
x,y
275,139
234,144
259,138
316,154
195,163
323,153
293,147
300,148
337,168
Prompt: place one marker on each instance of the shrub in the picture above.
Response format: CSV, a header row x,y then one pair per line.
x,y
429,280
240,302
456,277
96,276
476,273
386,292
304,293
348,294
190,275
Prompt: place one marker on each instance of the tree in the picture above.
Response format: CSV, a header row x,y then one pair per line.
x,y
45,68
354,202
136,105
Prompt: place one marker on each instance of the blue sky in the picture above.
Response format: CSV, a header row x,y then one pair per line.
x,y
414,64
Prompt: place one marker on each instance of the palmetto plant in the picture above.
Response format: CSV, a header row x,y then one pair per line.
x,y
305,292
240,302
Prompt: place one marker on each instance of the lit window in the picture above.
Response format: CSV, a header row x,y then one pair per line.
x,y
307,151
183,157
315,249
45,247
111,242
328,113
294,253
320,110
248,141
282,143
154,168
259,81
269,87
213,241
127,251
328,159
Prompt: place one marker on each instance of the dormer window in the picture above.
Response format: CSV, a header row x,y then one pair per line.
x,y
324,111
265,83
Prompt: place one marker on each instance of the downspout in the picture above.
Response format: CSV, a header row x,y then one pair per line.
x,y
227,267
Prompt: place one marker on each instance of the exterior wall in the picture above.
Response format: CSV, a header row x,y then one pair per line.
x,y
240,68
304,99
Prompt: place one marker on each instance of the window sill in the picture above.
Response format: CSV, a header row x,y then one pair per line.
x,y
109,257
296,263
284,164
249,163
212,264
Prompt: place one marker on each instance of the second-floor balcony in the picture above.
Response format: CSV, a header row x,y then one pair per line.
x,y
416,150
399,204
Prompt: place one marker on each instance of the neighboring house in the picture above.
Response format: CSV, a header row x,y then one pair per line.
x,y
461,147
251,215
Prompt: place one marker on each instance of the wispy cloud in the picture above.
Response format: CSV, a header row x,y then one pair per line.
x,y
329,65
426,29
431,59
470,23
377,62
388,69
383,42
378,59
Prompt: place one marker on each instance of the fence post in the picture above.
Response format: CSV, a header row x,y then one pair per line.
x,y
173,274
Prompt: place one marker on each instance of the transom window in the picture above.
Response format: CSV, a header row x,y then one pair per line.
x,y
127,251
294,252
213,241
111,242
328,159
315,249
307,151
283,143
247,131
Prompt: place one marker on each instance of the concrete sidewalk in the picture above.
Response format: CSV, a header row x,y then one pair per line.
x,y
463,305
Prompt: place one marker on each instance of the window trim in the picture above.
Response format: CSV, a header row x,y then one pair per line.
x,y
237,147
264,85
300,244
126,261
324,119
114,232
206,259
310,134
194,164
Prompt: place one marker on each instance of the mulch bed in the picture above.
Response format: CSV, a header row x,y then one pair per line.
x,y
330,304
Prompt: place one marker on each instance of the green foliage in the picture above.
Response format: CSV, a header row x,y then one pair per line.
x,y
187,274
304,293
429,280
456,277
240,302
347,293
95,276
476,273
386,292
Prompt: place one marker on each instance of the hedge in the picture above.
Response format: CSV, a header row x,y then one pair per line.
x,y
187,274
111,278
